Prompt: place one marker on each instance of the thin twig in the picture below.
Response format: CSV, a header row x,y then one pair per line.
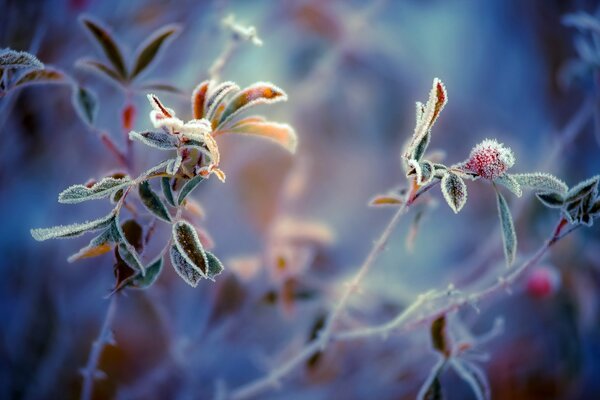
x,y
104,336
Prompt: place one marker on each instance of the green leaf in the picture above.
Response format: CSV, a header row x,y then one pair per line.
x,y
184,269
186,239
541,182
454,191
510,183
174,164
131,258
42,76
99,190
187,188
147,52
73,230
582,189
215,267
509,236
552,199
159,140
152,202
12,59
421,147
153,270
108,45
165,184
259,93
86,104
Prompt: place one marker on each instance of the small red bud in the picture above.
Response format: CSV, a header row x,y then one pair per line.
x,y
542,282
128,116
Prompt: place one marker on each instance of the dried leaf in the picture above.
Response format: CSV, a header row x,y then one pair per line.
x,y
541,182
184,269
188,187
159,140
509,236
186,239
439,336
198,100
385,200
73,230
41,76
86,104
12,59
152,202
165,184
552,199
215,267
282,134
259,93
148,50
108,44
454,191
99,190
510,183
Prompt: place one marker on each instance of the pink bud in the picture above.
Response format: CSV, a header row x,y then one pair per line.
x,y
542,282
490,159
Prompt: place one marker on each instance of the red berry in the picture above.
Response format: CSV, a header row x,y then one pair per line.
x,y
542,282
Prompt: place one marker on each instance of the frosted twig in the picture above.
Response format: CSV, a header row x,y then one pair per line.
x,y
104,337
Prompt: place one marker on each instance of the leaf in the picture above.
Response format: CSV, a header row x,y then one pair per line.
x,y
595,208
165,184
104,188
159,140
13,59
215,97
101,69
421,147
509,236
131,258
582,189
454,191
174,165
148,50
282,134
187,188
153,270
510,183
99,245
385,200
198,99
427,172
41,76
160,87
152,202
184,269
474,376
186,239
439,336
108,44
426,117
552,199
541,182
86,104
215,267
73,230
259,93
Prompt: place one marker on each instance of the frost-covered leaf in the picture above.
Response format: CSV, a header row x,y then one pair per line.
x,y
184,269
427,172
159,140
421,147
510,183
153,270
41,76
439,336
198,100
595,208
186,239
99,190
152,202
259,93
474,376
174,165
99,245
100,69
73,230
582,189
552,199
454,191
13,59
541,182
130,256
215,267
108,45
132,232
282,134
432,387
187,188
165,184
86,104
215,97
148,50
509,236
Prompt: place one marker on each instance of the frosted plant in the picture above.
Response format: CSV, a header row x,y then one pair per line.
x,y
216,110
19,69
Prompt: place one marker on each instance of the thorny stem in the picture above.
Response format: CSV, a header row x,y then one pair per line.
x,y
104,336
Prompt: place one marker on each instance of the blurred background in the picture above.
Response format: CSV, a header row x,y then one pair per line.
x,y
352,70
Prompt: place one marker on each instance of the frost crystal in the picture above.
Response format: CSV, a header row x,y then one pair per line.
x,y
490,159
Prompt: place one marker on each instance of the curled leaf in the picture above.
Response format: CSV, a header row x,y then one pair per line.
x,y
509,236
215,99
198,100
259,93
99,190
454,191
152,202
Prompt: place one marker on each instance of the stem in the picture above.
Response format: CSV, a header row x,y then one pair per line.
x,y
104,336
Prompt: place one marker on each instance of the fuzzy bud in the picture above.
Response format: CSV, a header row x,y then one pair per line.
x,y
490,159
